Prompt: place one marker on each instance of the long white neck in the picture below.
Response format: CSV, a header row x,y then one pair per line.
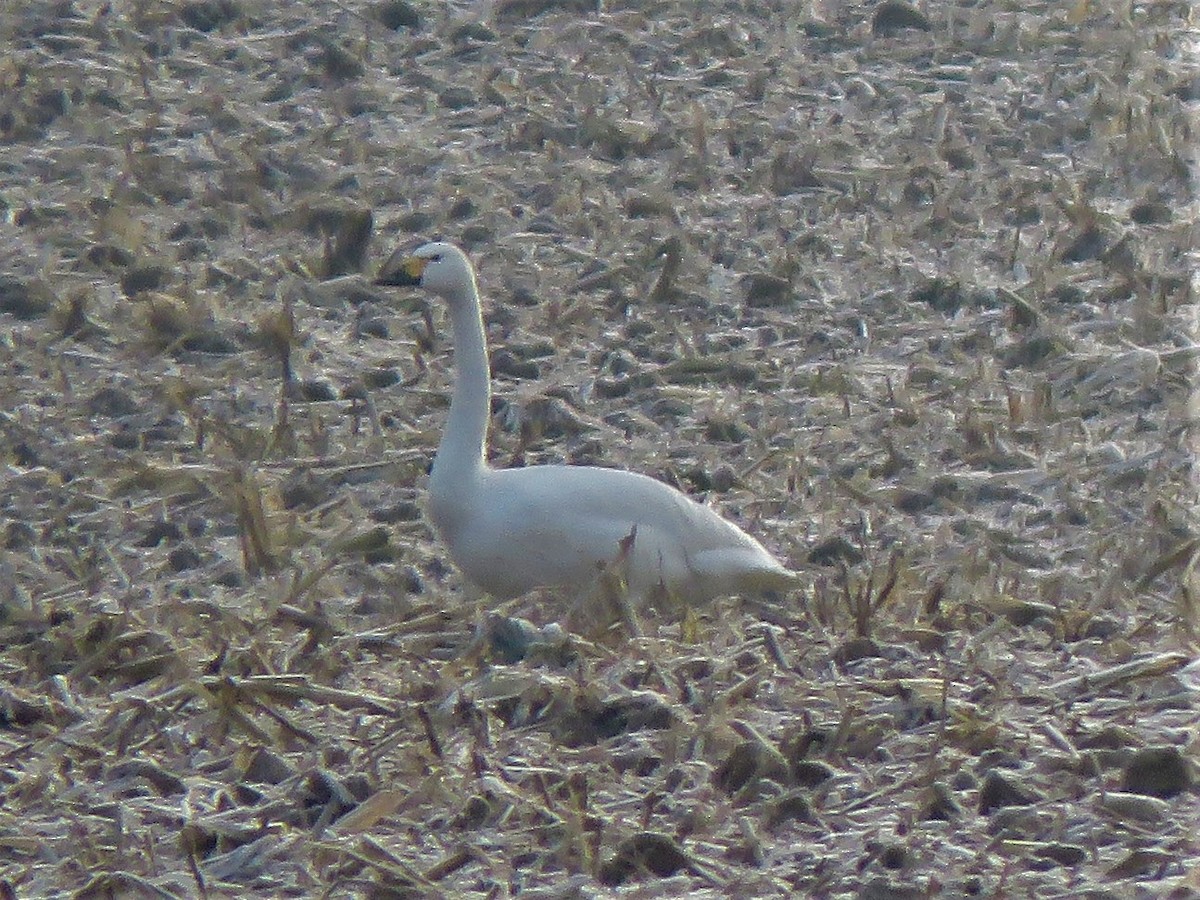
x,y
460,455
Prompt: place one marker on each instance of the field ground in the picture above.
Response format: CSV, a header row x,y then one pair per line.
x,y
906,292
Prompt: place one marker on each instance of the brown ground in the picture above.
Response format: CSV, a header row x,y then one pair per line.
x,y
913,305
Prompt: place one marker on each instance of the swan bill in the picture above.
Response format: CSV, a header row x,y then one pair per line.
x,y
401,270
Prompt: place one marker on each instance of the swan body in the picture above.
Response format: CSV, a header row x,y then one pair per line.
x,y
512,530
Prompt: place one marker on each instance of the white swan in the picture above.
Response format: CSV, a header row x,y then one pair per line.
x,y
512,530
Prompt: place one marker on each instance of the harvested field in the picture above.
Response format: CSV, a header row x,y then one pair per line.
x,y
908,292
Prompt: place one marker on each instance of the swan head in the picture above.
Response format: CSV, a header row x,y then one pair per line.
x,y
438,267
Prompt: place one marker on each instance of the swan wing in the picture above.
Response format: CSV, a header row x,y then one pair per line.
x,y
557,525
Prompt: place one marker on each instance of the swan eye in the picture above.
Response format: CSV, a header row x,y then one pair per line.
x,y
437,257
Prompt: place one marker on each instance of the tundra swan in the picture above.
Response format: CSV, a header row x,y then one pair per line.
x,y
512,530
